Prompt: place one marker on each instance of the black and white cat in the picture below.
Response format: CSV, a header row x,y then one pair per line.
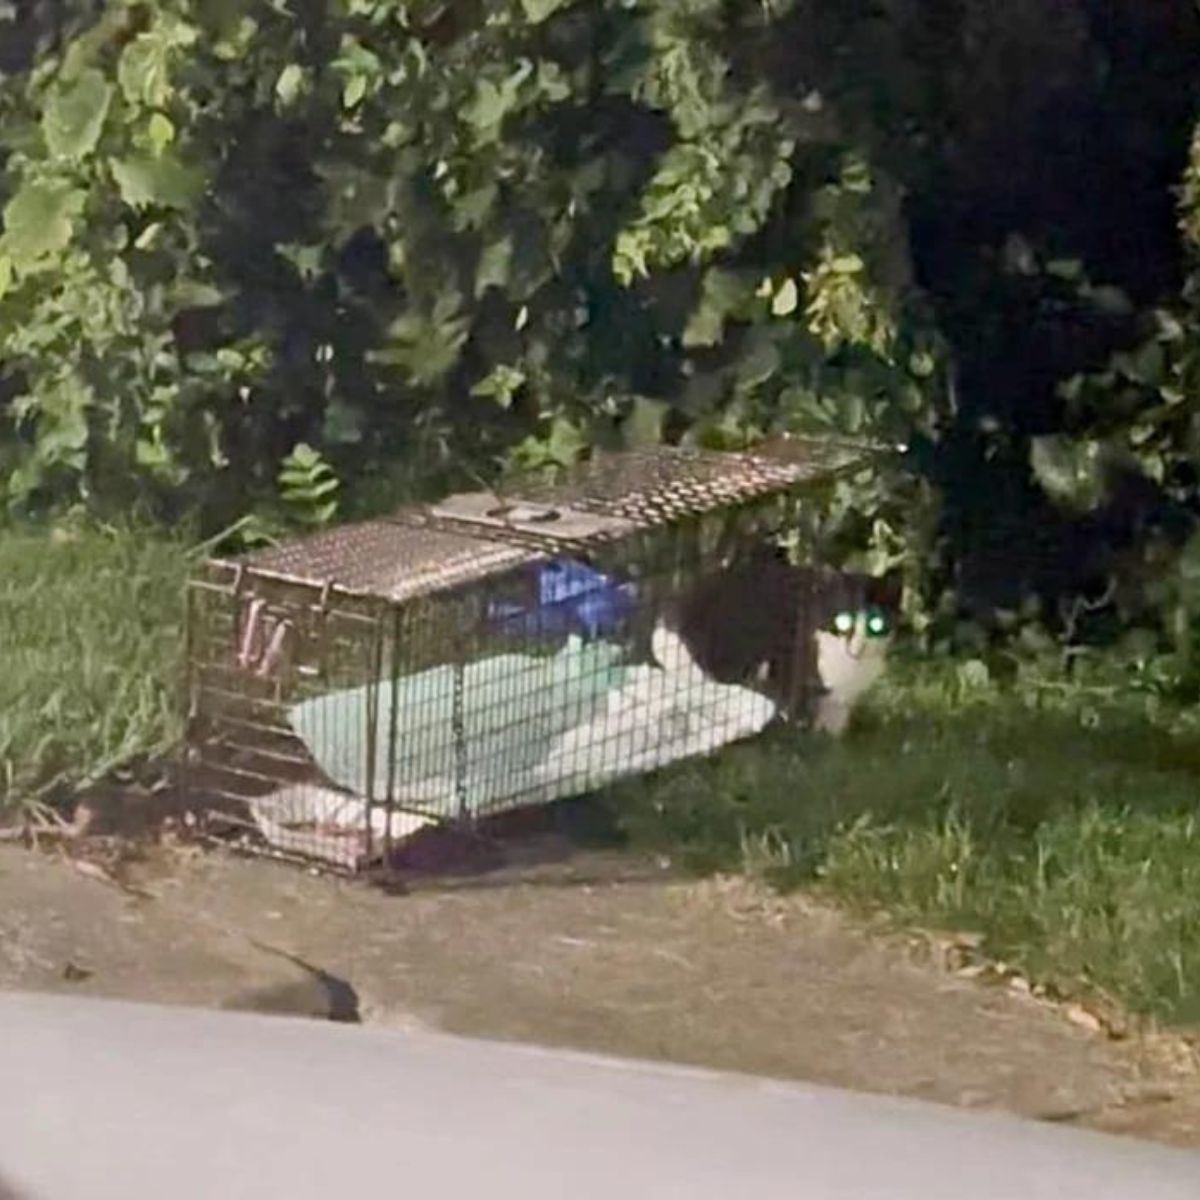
x,y
812,640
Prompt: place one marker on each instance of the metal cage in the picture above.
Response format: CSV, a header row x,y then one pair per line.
x,y
457,660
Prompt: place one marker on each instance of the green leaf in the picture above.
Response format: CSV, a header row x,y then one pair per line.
x,y
846,264
1170,328
145,181
852,412
644,424
472,208
566,441
758,364
151,454
856,176
488,108
306,259
494,101
1071,472
190,293
308,485
146,239
921,364
425,346
540,10
354,91
724,292
1069,269
290,84
495,266
552,82
705,327
785,301
161,132
302,457
62,426
502,384
75,116
1109,299
39,221
143,71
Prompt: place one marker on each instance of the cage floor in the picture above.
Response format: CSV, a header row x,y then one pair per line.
x,y
533,730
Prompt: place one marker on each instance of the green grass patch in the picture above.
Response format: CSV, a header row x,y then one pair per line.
x,y
1060,826
91,638
1058,820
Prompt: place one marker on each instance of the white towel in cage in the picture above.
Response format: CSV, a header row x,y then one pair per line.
x,y
658,716
317,822
533,730
512,707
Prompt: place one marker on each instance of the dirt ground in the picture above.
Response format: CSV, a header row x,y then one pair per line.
x,y
596,950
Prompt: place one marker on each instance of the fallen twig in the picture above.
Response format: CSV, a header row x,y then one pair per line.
x,y
31,830
102,874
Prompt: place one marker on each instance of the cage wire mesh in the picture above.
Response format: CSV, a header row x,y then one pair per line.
x,y
455,661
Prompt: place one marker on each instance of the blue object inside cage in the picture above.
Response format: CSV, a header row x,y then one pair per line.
x,y
572,598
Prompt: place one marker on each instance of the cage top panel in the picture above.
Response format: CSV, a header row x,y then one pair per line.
x,y
659,485
416,551
388,559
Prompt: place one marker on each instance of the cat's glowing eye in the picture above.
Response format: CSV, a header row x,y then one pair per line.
x,y
843,623
877,625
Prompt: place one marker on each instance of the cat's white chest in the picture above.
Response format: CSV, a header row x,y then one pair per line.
x,y
848,667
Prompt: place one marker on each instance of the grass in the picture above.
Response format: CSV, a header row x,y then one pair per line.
x,y
1057,821
1064,833
91,642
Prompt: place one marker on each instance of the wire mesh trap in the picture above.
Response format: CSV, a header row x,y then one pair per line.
x,y
455,661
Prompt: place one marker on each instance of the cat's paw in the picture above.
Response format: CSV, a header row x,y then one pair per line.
x,y
832,717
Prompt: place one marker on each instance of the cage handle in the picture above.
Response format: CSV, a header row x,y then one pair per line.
x,y
253,655
246,650
273,655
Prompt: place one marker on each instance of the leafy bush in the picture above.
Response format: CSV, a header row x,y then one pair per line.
x,y
546,232
516,230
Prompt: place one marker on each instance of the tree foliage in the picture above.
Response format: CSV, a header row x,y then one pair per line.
x,y
472,230
254,247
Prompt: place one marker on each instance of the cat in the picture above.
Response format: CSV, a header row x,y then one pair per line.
x,y
812,640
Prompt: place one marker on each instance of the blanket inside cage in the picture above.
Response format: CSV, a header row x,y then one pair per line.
x,y
500,733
